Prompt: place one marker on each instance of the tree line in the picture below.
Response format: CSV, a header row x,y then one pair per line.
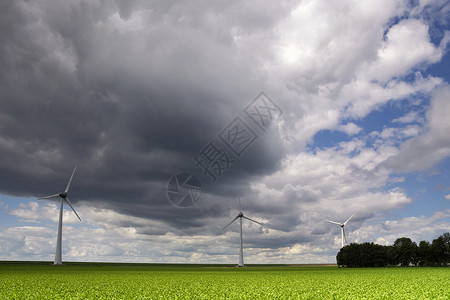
x,y
404,252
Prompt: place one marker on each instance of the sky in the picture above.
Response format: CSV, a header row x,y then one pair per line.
x,y
173,110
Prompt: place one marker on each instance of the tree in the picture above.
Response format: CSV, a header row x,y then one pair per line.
x,y
349,256
363,255
373,255
405,251
342,256
424,257
391,253
440,250
446,238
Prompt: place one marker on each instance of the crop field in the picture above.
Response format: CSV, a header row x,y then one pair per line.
x,y
152,281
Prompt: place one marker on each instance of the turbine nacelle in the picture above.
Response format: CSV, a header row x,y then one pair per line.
x,y
63,195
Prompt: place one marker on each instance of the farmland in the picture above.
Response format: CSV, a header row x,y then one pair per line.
x,y
153,281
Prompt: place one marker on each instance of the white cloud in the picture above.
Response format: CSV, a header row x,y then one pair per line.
x,y
364,95
310,241
363,74
331,183
397,179
26,243
447,197
34,212
407,46
408,118
426,150
395,135
416,228
350,128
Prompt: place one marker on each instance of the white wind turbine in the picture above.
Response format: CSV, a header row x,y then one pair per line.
x,y
240,216
342,229
63,196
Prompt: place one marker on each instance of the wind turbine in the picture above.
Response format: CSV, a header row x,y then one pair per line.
x,y
342,229
240,216
63,196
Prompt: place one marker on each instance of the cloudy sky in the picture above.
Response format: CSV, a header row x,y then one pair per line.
x,y
355,111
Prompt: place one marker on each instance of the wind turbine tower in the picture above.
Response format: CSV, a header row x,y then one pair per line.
x,y
64,198
241,216
342,229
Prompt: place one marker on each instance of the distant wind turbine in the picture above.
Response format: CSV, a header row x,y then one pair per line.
x,y
240,216
342,229
63,196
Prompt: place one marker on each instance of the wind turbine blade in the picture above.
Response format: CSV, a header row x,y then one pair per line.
x,y
252,220
345,238
70,180
231,222
348,219
334,222
48,197
240,206
70,204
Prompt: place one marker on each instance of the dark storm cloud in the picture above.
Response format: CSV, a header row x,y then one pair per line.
x,y
131,107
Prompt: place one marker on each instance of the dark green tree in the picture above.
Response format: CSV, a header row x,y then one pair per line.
x,y
440,250
424,257
342,256
405,251
362,255
446,238
349,256
391,255
373,255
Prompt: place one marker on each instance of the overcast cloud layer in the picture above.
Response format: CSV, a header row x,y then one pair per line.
x,y
132,91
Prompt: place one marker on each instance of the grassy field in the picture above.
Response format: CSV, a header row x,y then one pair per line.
x,y
149,281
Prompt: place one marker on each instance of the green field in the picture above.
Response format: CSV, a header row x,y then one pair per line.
x,y
149,281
